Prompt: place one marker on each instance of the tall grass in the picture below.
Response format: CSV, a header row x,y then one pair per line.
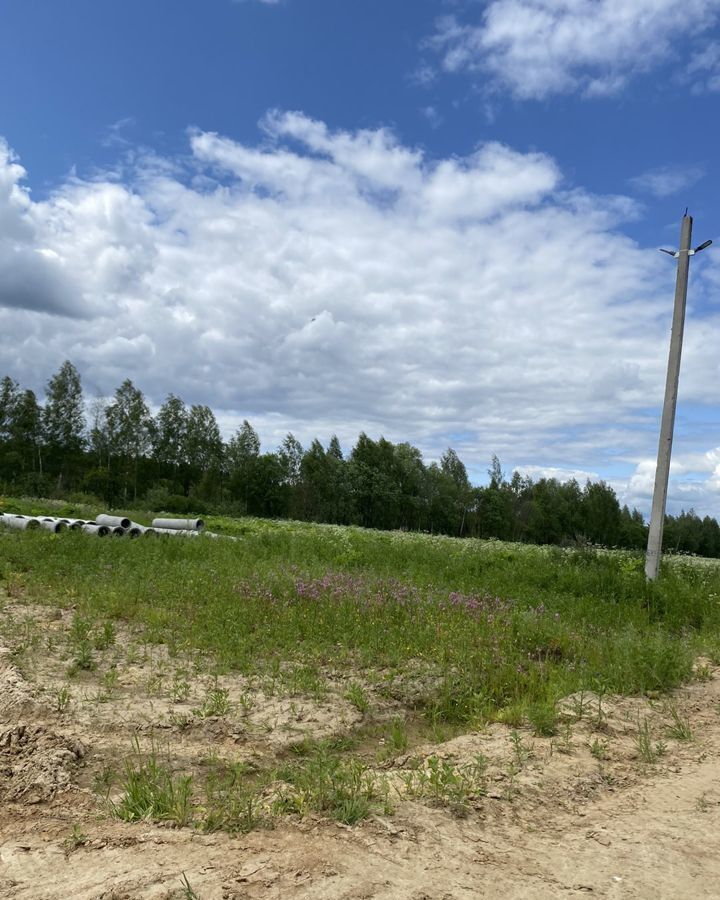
x,y
482,626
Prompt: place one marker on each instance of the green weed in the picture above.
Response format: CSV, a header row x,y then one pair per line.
x,y
187,890
544,718
397,738
358,696
62,699
77,838
151,791
444,783
647,751
216,703
680,727
345,789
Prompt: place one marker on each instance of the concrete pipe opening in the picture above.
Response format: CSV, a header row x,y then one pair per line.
x,y
53,526
113,521
118,531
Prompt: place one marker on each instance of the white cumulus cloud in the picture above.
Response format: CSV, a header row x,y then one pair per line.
x,y
327,281
536,48
665,181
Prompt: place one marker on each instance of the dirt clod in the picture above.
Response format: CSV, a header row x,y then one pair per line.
x,y
36,763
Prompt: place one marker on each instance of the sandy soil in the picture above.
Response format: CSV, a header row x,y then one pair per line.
x,y
555,821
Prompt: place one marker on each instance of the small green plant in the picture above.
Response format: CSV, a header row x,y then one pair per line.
x,y
703,673
103,782
181,721
109,685
579,705
106,637
397,736
647,751
187,891
324,782
566,745
543,718
358,696
521,753
513,716
76,838
302,679
83,659
679,729
231,804
180,690
599,719
215,705
62,699
443,783
247,702
150,791
599,749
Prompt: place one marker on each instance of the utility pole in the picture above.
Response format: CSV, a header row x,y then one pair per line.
x,y
662,472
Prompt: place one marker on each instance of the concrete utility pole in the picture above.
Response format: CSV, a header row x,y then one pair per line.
x,y
662,472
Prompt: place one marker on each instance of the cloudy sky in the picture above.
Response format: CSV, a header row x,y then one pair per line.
x,y
435,220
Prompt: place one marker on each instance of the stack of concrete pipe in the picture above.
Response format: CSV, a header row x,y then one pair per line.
x,y
104,525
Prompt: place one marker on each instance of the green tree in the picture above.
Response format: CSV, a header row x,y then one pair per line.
x,y
129,430
204,451
457,491
290,454
601,514
243,453
20,435
375,486
63,424
170,440
9,395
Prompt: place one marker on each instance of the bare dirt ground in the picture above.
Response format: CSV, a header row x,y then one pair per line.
x,y
623,803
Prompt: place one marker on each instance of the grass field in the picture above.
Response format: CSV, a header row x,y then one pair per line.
x,y
461,633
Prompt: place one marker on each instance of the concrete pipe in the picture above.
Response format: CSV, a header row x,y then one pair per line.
x,y
179,524
135,531
53,525
118,531
21,523
98,530
113,521
77,524
149,532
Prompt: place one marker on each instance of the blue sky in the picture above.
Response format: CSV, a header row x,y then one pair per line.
x,y
433,220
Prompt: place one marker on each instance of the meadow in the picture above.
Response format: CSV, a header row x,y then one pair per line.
x,y
454,634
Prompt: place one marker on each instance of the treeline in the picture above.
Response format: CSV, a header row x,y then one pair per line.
x,y
117,452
